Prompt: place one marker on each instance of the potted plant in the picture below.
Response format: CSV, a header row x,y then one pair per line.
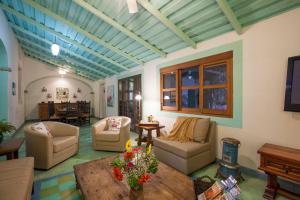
x,y
136,166
5,127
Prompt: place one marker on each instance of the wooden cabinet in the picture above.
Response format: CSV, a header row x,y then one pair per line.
x,y
43,111
279,161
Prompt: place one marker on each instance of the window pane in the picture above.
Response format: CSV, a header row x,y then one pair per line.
x,y
169,98
170,80
190,76
215,98
214,75
131,84
190,98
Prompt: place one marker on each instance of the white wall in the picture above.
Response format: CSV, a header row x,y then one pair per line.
x,y
38,75
15,61
266,48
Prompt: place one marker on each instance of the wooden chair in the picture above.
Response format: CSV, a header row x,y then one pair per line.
x,y
85,111
51,112
72,113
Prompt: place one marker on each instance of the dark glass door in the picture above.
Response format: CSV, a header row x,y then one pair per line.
x,y
128,89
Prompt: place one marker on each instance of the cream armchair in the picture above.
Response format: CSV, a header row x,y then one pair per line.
x,y
51,149
110,140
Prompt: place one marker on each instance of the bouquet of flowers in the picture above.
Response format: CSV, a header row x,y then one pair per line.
x,y
135,165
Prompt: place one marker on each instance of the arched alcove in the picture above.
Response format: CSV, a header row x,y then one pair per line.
x,y
34,93
3,83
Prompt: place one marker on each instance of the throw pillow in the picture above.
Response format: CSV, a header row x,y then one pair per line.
x,y
41,128
114,123
201,130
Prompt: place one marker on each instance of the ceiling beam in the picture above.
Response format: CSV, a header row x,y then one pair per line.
x,y
68,61
168,23
228,12
118,26
40,58
60,35
81,31
67,51
50,60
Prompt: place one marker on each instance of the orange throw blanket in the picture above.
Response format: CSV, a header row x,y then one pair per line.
x,y
183,130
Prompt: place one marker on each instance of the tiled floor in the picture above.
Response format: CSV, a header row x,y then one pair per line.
x,y
58,182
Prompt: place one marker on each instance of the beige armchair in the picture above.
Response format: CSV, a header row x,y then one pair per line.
x,y
51,149
110,140
188,156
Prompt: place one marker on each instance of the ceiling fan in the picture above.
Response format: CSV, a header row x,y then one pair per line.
x,y
132,6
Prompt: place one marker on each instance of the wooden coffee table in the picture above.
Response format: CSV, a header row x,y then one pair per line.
x,y
96,181
11,148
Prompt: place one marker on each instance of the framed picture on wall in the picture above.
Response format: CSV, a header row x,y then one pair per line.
x,y
110,96
62,94
13,88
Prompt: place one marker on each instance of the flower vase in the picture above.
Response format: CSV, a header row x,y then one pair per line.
x,y
136,194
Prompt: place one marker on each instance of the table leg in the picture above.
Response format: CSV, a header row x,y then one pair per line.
x,y
149,138
9,156
16,154
158,132
140,136
271,188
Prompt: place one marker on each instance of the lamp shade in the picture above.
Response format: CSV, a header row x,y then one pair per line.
x,y
138,97
132,6
55,49
166,97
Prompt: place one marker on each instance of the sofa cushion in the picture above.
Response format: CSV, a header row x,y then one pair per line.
x,y
114,123
62,142
184,150
41,128
16,178
110,136
201,130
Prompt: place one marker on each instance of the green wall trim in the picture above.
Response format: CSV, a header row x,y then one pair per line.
x,y
237,48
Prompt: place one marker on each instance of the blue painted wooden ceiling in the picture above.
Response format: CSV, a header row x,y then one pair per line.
x,y
93,48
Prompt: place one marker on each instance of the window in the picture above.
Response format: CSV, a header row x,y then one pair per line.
x,y
202,86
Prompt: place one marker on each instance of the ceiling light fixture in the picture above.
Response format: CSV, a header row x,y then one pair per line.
x,y
62,71
132,6
55,49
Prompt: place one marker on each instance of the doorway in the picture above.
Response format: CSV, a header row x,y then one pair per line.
x,y
129,105
3,83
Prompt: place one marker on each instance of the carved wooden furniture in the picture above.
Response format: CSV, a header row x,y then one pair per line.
x,y
279,161
11,148
149,128
95,179
64,111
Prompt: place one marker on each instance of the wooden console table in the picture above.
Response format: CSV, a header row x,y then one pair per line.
x,y
279,161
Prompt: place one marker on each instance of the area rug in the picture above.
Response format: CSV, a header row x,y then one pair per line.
x,y
62,186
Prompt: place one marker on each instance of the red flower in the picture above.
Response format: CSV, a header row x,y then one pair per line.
x,y
143,179
128,155
118,174
136,149
130,165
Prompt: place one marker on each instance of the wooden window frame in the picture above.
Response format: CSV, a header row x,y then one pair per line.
x,y
211,61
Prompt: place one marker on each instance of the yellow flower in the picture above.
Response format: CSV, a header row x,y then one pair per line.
x,y
128,146
149,149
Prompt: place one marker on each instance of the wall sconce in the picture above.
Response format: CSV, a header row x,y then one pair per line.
x,y
78,90
49,96
44,89
74,96
92,93
25,91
